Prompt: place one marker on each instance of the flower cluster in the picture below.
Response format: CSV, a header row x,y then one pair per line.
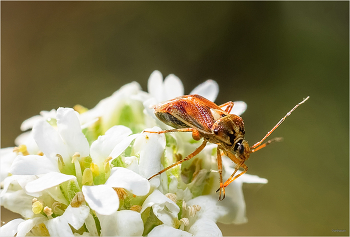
x,y
80,172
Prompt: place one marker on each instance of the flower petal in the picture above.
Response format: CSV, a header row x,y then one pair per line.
x,y
121,223
155,85
76,216
49,141
238,108
91,225
27,139
121,146
210,207
32,165
47,181
10,228
150,146
22,180
205,227
101,198
70,130
29,123
164,208
19,202
172,87
125,178
103,146
26,226
208,89
164,230
7,157
59,227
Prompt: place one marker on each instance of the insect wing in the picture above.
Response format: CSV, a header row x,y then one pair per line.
x,y
187,111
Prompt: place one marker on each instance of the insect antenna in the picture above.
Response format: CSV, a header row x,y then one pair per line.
x,y
258,146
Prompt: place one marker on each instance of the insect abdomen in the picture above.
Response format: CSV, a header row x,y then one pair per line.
x,y
170,120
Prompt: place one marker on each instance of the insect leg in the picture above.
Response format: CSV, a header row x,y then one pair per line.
x,y
222,188
229,106
172,130
199,149
233,177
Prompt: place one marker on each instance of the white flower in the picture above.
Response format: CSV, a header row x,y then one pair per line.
x,y
172,87
104,200
163,208
86,173
121,223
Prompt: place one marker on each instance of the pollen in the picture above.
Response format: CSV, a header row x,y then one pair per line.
x,y
40,153
37,207
78,199
121,192
48,211
136,208
94,169
21,149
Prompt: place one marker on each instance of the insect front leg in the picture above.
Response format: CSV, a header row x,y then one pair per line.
x,y
222,188
233,177
229,106
190,156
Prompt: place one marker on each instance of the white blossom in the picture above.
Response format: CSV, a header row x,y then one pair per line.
x,y
85,172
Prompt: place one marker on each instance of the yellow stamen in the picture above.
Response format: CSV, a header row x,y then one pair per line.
x,y
75,157
37,207
94,169
122,194
21,149
48,211
40,230
136,208
80,109
60,162
40,153
106,163
77,200
88,178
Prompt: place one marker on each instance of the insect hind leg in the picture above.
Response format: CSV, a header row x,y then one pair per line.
x,y
190,156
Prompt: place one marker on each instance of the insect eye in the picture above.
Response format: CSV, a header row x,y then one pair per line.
x,y
239,148
216,131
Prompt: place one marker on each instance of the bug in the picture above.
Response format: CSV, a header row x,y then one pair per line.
x,y
214,123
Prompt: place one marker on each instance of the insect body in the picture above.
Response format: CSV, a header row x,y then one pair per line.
x,y
205,119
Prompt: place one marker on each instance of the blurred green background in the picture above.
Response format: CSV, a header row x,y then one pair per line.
x,y
269,54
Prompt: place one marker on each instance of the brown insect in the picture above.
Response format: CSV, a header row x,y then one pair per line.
x,y
205,119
